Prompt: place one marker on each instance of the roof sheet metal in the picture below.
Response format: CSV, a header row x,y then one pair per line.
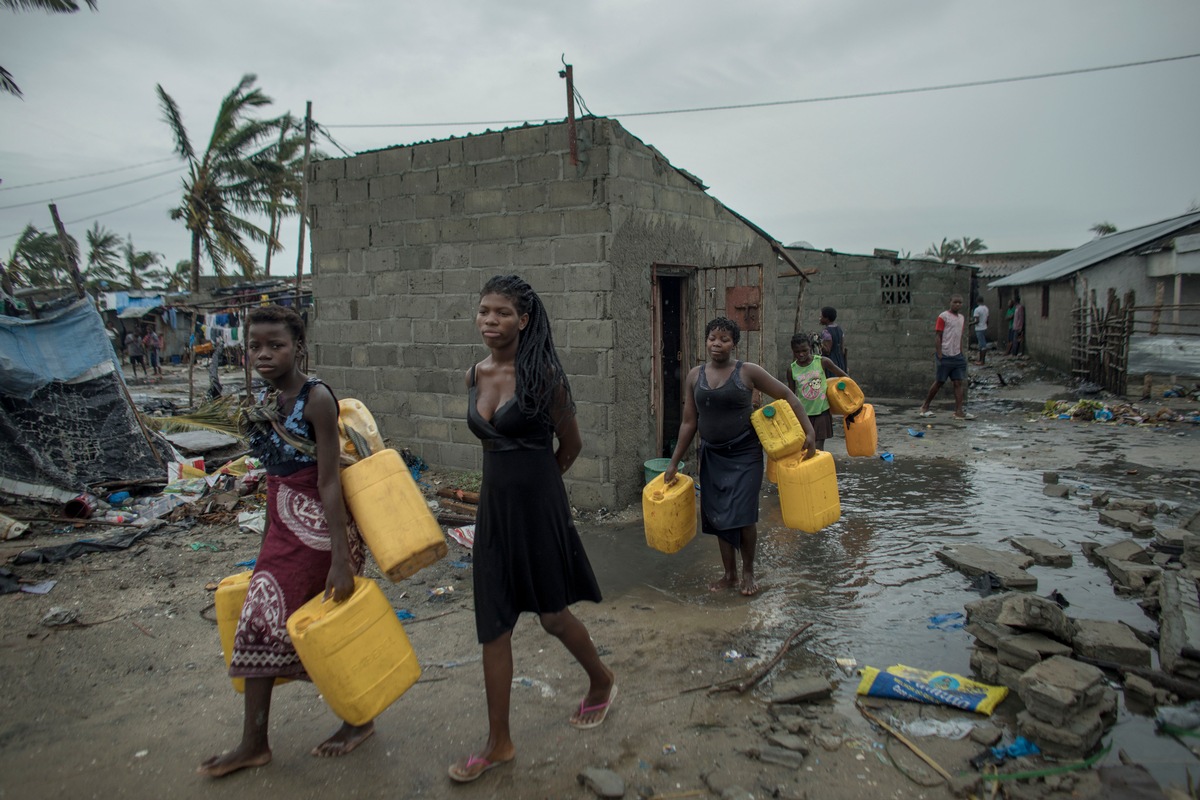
x,y
1095,251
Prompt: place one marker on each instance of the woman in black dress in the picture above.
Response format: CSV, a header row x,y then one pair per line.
x,y
528,555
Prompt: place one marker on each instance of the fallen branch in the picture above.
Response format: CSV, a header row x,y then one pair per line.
x,y
454,520
455,507
753,678
462,495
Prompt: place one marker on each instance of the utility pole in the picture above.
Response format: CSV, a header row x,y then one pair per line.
x,y
303,198
569,74
72,264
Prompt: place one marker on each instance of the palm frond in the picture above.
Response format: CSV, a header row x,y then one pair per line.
x,y
174,120
220,415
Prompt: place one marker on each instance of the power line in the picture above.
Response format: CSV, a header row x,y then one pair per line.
x,y
823,99
104,213
89,175
91,191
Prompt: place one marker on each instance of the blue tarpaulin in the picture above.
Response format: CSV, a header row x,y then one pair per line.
x,y
66,345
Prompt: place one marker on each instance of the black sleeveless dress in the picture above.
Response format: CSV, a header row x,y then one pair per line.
x,y
528,555
731,465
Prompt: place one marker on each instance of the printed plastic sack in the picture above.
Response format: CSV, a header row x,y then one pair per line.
x,y
935,688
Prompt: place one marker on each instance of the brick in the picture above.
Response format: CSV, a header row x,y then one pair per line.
x,y
590,333
597,220
483,147
430,154
416,258
497,228
526,197
419,182
393,283
565,194
463,282
398,209
354,238
539,168
531,254
351,191
379,259
499,173
458,229
524,141
420,232
432,205
451,256
331,264
483,201
455,177
396,159
591,277
547,223
426,283
577,249
329,169
490,255
398,331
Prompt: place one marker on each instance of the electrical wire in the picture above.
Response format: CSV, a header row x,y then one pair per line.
x,y
104,213
321,129
824,99
175,171
88,175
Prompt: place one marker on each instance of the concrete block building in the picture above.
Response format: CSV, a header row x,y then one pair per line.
x,y
886,305
630,255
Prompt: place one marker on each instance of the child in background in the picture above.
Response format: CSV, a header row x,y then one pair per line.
x,y
310,547
806,378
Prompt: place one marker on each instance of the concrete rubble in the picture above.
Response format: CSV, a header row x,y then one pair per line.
x,y
1043,553
973,560
1068,707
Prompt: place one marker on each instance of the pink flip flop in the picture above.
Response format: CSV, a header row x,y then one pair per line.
x,y
465,775
601,707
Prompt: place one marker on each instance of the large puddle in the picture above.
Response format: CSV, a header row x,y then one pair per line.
x,y
872,583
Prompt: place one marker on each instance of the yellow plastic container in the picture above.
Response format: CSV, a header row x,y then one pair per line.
x,y
772,470
669,513
353,414
778,429
808,493
843,395
231,596
862,437
391,513
356,652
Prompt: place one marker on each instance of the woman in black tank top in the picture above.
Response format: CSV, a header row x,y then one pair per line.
x,y
717,401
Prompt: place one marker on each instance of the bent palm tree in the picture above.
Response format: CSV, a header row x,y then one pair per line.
x,y
970,245
142,264
103,259
232,175
945,252
286,181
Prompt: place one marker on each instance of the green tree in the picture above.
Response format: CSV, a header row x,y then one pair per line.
x,y
37,259
1105,228
969,246
7,84
285,183
945,252
104,256
231,176
140,265
173,279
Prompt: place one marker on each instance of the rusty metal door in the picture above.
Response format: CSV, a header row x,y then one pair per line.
x,y
736,292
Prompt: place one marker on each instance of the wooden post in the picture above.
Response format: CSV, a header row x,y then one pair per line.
x,y
72,264
303,203
569,74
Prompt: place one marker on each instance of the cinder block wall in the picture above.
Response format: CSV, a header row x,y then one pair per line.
x,y
890,345
403,239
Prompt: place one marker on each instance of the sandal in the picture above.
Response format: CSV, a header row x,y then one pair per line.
x,y
474,768
601,707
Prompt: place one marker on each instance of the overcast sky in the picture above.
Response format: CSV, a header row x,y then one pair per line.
x,y
1024,166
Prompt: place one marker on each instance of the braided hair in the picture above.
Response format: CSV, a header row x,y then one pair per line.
x,y
540,374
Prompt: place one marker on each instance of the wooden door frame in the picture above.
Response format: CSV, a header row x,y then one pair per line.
x,y
666,270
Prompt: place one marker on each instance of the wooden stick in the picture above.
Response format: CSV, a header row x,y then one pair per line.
x,y
458,508
763,669
904,741
462,495
446,518
75,520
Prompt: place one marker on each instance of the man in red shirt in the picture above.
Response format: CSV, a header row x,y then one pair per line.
x,y
951,362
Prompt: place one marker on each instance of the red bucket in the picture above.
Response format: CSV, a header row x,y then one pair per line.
x,y
81,507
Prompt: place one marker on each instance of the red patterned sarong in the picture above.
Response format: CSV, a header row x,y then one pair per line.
x,y
292,568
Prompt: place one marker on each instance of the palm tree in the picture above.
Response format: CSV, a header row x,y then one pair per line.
x,y
946,252
173,279
1105,228
7,84
283,191
232,175
37,258
969,246
104,256
141,264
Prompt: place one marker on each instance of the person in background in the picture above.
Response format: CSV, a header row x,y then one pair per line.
x,y
948,352
807,378
137,353
1018,327
1009,313
979,317
153,344
717,402
833,338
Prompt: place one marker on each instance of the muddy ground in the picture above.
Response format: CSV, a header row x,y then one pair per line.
x,y
127,703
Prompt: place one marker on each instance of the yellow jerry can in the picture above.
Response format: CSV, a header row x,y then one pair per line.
x,y
231,596
862,437
843,395
808,493
669,513
778,429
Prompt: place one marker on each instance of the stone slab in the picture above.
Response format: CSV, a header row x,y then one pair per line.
x,y
1132,576
1179,624
1118,518
801,690
1030,612
1175,538
1056,490
986,609
1023,650
201,441
1109,641
989,633
972,560
1059,683
1124,550
1042,551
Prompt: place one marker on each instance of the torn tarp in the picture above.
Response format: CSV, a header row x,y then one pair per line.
x,y
65,552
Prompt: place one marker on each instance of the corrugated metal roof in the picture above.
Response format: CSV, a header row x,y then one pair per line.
x,y
1095,251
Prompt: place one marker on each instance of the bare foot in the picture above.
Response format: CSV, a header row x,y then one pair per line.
x,y
345,740
726,582
749,585
222,765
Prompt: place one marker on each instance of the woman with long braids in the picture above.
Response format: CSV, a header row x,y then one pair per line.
x,y
528,555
